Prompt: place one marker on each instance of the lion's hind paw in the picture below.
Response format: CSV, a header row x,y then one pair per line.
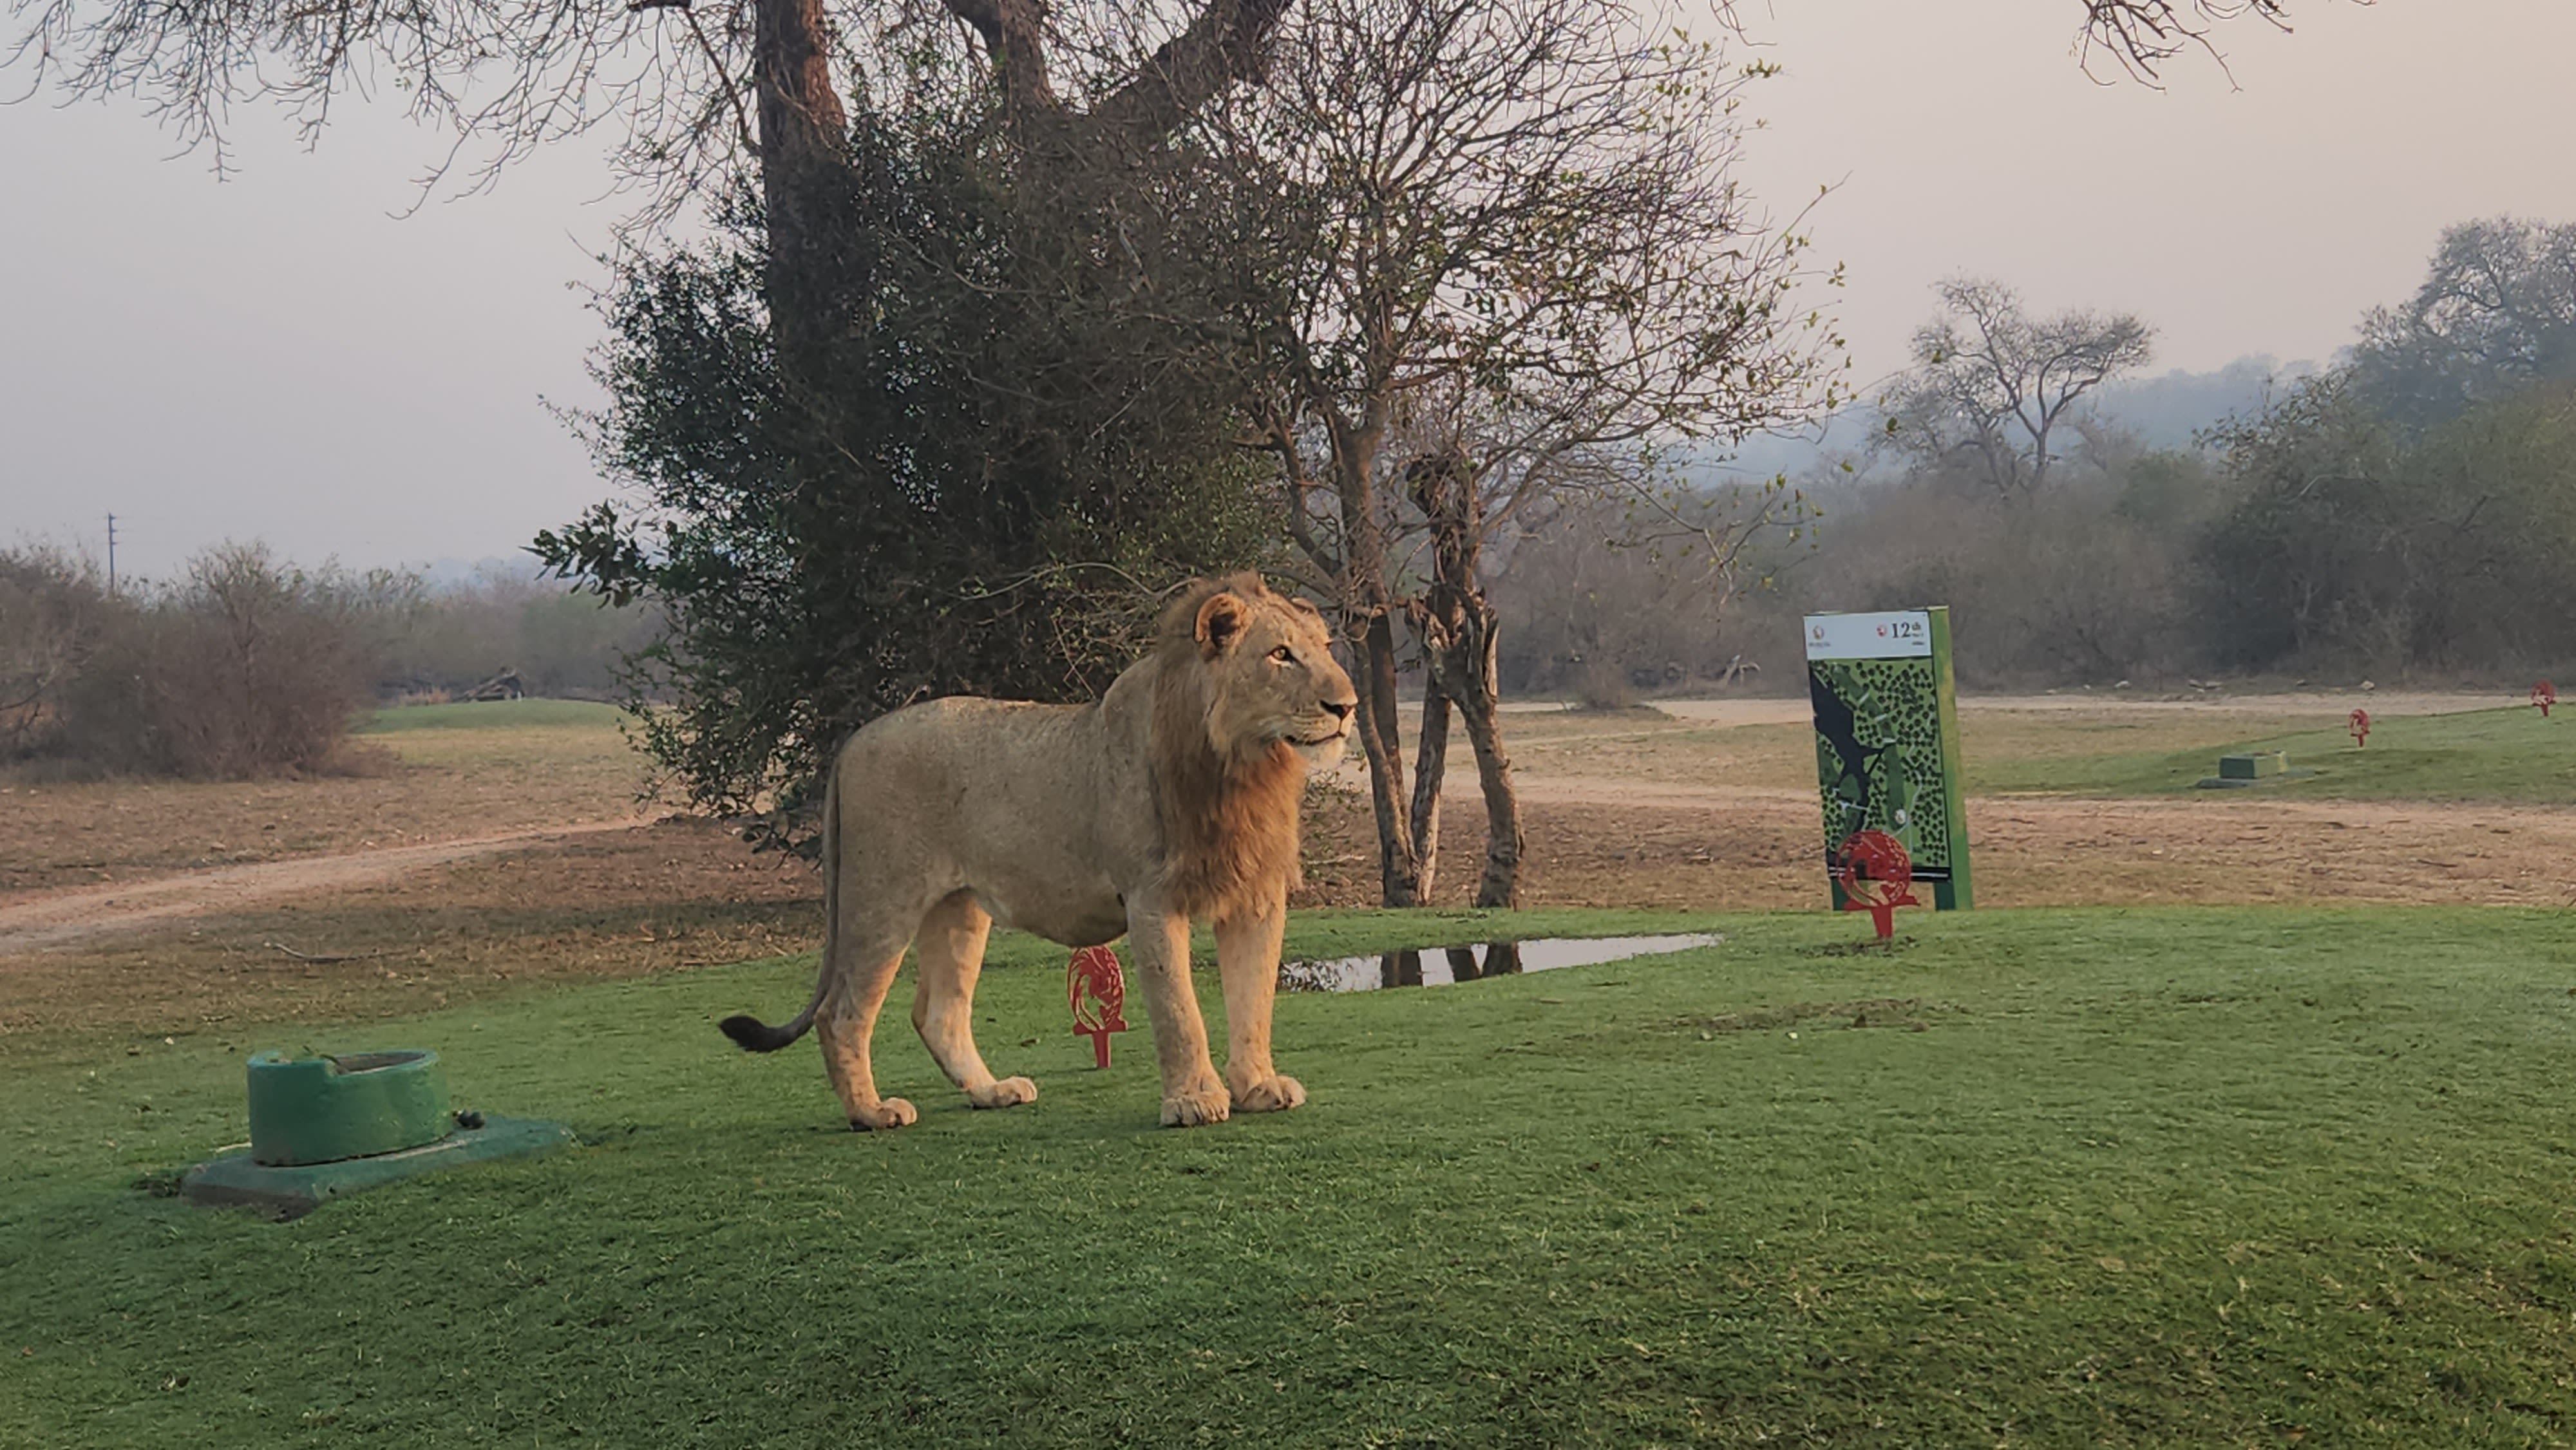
x,y
1009,1092
1274,1094
890,1113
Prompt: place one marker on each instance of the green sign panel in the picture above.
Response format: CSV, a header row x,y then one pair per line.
x,y
1887,739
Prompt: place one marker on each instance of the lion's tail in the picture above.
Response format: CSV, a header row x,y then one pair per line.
x,y
749,1032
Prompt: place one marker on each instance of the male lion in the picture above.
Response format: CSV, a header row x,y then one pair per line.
x,y
1174,796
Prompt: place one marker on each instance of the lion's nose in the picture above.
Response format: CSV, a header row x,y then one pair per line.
x,y
1341,708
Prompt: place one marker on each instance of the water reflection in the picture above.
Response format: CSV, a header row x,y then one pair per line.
x,y
1462,964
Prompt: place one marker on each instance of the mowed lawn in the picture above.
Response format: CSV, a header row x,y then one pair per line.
x,y
2511,755
2191,1177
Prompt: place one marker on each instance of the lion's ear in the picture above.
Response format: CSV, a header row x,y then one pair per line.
x,y
1221,622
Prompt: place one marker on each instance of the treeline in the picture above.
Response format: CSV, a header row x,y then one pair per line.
x,y
245,665
2409,512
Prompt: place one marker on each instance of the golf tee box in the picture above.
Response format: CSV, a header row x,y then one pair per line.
x,y
1887,741
2253,766
323,1127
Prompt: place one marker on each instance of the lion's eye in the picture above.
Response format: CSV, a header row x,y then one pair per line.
x,y
1284,655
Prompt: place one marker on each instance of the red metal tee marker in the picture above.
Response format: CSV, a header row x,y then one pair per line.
x,y
1876,876
1096,969
2544,695
2360,727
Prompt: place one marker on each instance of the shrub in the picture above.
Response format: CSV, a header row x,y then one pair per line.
x,y
52,611
247,667
440,640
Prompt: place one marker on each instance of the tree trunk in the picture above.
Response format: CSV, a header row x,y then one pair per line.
x,y
1399,871
1430,769
1479,698
805,183
1459,632
1369,611
1225,42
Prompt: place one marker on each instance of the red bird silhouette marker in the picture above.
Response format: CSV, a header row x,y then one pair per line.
x,y
1876,876
2544,695
1093,973
2360,727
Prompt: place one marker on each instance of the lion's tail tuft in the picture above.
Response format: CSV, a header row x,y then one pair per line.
x,y
753,1035
750,1033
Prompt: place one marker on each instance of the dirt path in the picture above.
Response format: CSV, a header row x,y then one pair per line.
x,y
69,917
1600,839
2041,848
1793,710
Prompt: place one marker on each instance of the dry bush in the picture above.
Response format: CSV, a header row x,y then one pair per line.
x,y
447,639
247,668
53,608
1586,611
2091,580
1601,684
2087,582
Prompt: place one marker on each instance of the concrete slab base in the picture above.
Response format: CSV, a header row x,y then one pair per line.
x,y
284,1193
2238,782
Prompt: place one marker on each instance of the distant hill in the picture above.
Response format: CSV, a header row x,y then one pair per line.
x,y
2165,411
453,573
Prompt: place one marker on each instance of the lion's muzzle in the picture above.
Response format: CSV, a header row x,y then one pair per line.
x,y
1324,748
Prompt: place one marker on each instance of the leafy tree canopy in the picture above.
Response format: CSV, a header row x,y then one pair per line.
x,y
2496,313
977,484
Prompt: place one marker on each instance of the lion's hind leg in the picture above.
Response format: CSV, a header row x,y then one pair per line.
x,y
861,960
951,945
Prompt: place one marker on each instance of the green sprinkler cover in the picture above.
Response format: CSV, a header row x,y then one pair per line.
x,y
324,1109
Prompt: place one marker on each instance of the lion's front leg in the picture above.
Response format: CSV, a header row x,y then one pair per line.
x,y
1247,956
1192,1092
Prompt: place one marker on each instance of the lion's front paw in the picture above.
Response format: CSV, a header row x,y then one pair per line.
x,y
1195,1109
891,1113
1276,1093
1010,1092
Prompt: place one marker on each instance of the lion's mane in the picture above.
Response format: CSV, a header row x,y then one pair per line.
x,y
1228,808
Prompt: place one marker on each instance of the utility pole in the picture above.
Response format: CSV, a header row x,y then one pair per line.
x,y
111,556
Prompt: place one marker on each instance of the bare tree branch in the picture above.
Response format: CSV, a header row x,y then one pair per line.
x,y
1500,260
1991,381
2142,35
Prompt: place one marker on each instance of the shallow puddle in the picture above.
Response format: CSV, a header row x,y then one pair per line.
x,y
1439,965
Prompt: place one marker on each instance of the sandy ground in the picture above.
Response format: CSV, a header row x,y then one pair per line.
x,y
1584,805
1596,842
670,896
33,921
1588,832
1638,809
421,787
2339,704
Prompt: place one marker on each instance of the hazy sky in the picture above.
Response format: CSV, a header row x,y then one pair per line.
x,y
276,356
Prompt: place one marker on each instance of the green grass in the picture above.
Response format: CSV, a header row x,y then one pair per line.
x,y
2497,755
493,715
2189,1177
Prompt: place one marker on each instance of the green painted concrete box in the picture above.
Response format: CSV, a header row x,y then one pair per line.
x,y
323,1109
2254,766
